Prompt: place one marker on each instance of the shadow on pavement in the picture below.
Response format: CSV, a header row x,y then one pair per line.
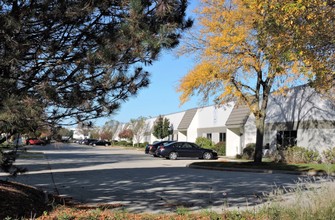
x,y
96,176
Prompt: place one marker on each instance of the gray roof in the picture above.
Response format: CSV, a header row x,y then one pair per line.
x,y
187,119
238,116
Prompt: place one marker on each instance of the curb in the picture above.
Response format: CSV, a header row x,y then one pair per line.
x,y
301,173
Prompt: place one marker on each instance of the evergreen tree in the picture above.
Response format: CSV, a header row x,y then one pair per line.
x,y
77,58
161,128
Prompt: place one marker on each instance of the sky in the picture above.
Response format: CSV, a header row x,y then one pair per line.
x,y
161,97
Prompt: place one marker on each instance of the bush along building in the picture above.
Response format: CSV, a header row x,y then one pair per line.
x,y
301,117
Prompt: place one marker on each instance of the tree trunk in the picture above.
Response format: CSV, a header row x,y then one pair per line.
x,y
259,139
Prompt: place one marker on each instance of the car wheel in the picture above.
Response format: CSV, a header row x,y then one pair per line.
x,y
173,156
207,156
106,145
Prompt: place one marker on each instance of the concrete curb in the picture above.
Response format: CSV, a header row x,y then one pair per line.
x,y
301,173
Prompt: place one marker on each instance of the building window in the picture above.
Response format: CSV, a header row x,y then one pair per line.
x,y
209,136
287,138
222,137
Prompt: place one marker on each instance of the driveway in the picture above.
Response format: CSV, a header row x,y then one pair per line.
x,y
139,182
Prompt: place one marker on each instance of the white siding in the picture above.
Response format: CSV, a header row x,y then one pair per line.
x,y
270,138
300,109
174,121
182,136
316,139
299,104
192,133
77,134
233,143
213,119
249,131
149,137
213,116
304,110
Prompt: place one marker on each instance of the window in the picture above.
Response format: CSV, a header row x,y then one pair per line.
x,y
194,145
222,137
187,145
287,138
178,145
209,136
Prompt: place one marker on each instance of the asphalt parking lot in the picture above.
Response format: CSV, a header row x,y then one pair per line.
x,y
141,183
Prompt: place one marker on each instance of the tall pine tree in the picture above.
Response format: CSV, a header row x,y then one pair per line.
x,y
81,59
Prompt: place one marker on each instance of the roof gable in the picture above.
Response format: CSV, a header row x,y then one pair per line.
x,y
238,116
187,119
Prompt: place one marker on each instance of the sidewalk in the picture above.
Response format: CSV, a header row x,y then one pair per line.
x,y
205,165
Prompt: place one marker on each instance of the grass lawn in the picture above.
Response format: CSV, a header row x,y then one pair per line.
x,y
323,168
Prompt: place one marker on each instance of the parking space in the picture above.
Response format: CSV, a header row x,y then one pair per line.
x,y
141,183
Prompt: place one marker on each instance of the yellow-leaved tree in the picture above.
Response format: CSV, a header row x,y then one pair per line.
x,y
240,59
309,27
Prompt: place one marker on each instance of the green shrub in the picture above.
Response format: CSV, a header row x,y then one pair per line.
x,y
126,144
312,156
204,142
294,154
276,156
122,143
329,155
249,151
297,154
142,145
220,148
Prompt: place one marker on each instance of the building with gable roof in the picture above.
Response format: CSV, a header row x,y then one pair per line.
x,y
301,117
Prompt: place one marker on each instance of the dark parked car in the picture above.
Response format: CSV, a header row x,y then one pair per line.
x,y
34,141
88,141
102,143
151,148
185,149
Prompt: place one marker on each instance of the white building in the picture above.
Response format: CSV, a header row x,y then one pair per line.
x,y
77,134
301,117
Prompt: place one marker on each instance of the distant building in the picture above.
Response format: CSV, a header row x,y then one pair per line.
x,y
301,117
77,134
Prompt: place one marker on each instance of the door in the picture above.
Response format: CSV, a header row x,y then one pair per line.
x,y
189,150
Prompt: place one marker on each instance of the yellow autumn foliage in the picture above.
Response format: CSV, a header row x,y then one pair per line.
x,y
307,28
238,57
